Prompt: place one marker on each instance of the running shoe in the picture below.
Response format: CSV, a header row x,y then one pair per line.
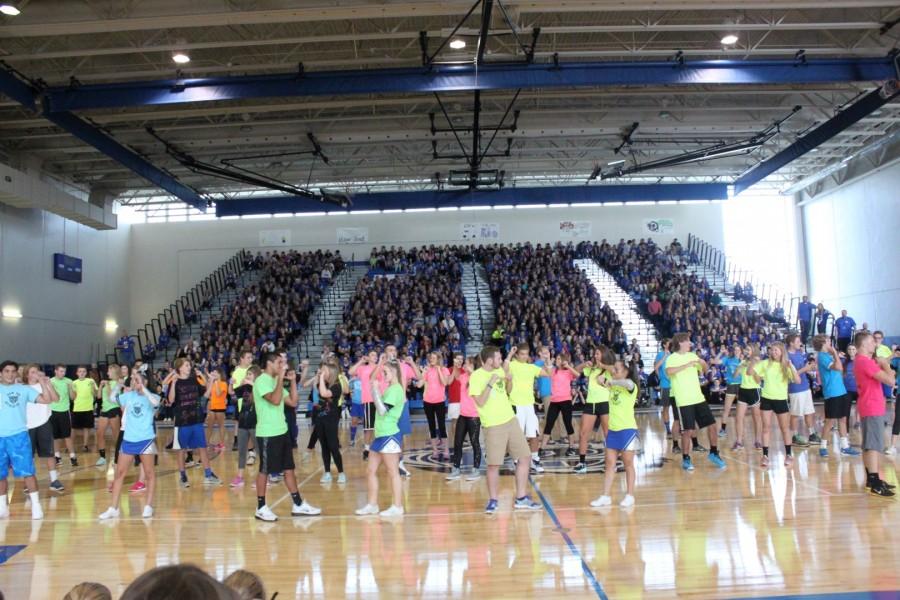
x,y
526,503
238,481
536,465
676,449
184,482
571,451
627,501
699,448
890,451
110,513
393,511
737,446
58,460
799,440
716,460
73,461
491,507
454,474
265,514
365,455
100,462
814,438
764,461
138,486
580,469
305,510
547,452
757,446
148,512
880,489
687,465
850,451
56,486
601,501
473,475
823,452
788,461
212,480
342,478
722,433
251,458
275,478
326,478
404,471
368,509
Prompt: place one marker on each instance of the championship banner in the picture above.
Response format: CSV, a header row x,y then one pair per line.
x,y
352,235
479,231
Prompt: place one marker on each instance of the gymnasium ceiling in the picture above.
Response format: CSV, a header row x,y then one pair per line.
x,y
382,142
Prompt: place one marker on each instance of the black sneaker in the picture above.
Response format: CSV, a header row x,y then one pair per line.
x,y
58,460
699,448
571,452
580,468
73,461
676,449
365,455
880,489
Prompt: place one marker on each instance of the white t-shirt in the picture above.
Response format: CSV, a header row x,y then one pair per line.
x,y
37,414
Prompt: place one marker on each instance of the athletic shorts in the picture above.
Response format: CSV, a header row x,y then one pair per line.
x,y
801,404
504,438
191,437
674,404
597,409
873,433
111,413
138,448
852,396
665,396
388,444
42,440
357,411
695,416
275,454
15,454
453,410
837,407
779,407
733,389
61,421
527,419
217,410
83,419
749,396
623,440
368,416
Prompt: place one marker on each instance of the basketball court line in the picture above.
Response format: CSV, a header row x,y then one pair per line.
x,y
800,481
299,483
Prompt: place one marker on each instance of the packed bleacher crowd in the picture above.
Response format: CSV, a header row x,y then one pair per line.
x,y
412,299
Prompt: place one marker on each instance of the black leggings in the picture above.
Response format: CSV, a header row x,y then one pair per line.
x,y
895,430
437,419
553,412
327,432
472,427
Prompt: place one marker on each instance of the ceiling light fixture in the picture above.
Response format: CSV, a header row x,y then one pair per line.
x,y
181,58
458,44
729,40
616,162
9,10
12,313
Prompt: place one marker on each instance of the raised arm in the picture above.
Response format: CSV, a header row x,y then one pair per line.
x,y
48,393
293,398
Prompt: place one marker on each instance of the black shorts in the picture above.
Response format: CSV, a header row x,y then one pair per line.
x,y
665,396
750,397
733,389
837,407
111,413
598,409
217,410
42,440
852,396
61,422
695,416
275,454
779,407
675,414
368,416
83,419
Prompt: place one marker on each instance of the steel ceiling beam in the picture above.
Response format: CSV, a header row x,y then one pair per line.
x,y
17,89
457,78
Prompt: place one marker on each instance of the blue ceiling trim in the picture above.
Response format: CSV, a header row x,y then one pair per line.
x,y
457,78
508,196
821,134
17,89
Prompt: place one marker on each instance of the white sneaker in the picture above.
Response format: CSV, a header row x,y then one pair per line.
x,y
393,511
148,512
111,513
890,451
326,478
251,458
368,509
265,514
342,478
473,475
37,513
627,501
4,514
602,501
305,509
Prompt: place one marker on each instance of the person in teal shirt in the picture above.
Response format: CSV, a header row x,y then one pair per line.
x,y
730,363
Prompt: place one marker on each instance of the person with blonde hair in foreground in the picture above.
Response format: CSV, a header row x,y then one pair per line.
x,y
247,585
89,590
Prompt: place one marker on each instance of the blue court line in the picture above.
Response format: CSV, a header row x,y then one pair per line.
x,y
592,579
7,552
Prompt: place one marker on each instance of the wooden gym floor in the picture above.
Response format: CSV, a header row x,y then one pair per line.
x,y
743,532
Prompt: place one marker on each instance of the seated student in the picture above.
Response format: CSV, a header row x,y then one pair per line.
x,y
185,582
247,585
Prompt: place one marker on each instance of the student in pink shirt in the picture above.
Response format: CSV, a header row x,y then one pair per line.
x,y
466,424
435,379
871,408
363,370
561,400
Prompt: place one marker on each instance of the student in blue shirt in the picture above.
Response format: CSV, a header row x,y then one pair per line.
x,y
665,386
138,407
15,444
844,326
729,365
356,407
837,402
804,315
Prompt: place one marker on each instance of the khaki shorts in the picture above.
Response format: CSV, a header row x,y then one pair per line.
x,y
502,438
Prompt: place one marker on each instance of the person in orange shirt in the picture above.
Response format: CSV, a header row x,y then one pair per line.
x,y
218,401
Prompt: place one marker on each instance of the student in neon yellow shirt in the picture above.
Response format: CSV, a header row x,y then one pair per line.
x,y
622,438
523,374
776,372
60,419
86,391
682,367
748,396
596,406
502,433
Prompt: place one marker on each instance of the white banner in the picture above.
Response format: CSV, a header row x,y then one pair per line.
x,y
479,231
275,237
352,235
659,226
574,230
